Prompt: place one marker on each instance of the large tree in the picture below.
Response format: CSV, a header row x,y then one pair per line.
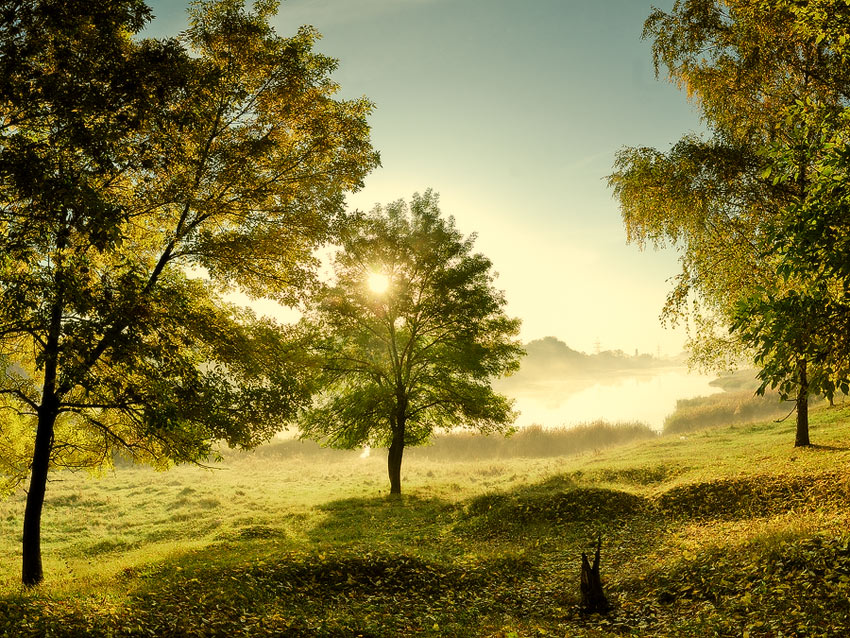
x,y
810,240
139,181
718,199
412,334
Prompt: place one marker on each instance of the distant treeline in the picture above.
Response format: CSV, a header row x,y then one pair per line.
x,y
550,358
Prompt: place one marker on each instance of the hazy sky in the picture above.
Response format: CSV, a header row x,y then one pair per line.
x,y
513,110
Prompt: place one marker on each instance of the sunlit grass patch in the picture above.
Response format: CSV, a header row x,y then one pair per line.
x,y
673,513
724,409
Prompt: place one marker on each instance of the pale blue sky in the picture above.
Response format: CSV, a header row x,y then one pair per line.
x,y
512,110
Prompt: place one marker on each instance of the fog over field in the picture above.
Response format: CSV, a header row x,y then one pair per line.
x,y
559,386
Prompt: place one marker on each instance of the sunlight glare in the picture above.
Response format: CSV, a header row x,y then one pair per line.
x,y
378,282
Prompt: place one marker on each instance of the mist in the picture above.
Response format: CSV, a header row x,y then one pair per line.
x,y
558,386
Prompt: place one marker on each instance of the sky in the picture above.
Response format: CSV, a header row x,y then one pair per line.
x,y
513,110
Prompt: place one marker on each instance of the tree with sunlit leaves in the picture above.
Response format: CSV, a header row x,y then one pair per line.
x,y
127,168
413,332
744,206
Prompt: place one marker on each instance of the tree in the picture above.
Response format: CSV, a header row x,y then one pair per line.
x,y
809,321
810,240
413,332
706,198
140,180
743,63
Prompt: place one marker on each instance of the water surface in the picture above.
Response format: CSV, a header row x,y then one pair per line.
x,y
647,396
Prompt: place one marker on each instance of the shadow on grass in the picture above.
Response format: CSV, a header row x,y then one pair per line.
x,y
830,448
405,519
755,496
551,507
370,587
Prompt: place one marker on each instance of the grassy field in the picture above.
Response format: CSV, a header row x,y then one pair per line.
x,y
722,532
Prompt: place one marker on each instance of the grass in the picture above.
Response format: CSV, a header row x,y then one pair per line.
x,y
724,409
535,441
737,404
721,532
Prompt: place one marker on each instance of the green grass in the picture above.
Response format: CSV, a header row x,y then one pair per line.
x,y
737,404
724,409
721,532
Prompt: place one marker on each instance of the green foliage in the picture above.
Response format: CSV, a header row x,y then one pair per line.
x,y
139,181
699,197
398,364
711,198
811,244
15,451
128,166
767,77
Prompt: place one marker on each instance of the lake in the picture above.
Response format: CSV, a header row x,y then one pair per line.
x,y
647,396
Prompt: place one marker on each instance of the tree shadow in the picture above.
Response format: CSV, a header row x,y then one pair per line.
x,y
408,518
830,448
361,575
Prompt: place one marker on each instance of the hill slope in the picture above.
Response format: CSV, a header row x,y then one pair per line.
x,y
725,532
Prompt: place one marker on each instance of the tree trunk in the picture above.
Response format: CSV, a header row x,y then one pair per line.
x,y
31,571
802,439
394,461
593,600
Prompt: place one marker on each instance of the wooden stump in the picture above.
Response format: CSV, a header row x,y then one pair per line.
x,y
593,600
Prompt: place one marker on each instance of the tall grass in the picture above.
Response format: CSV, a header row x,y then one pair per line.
x,y
726,408
534,441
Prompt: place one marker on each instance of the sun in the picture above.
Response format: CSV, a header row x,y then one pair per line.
x,y
378,282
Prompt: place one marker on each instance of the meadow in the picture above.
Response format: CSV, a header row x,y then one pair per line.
x,y
728,531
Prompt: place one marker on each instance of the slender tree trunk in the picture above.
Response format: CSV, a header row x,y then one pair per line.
x,y
802,438
31,572
394,461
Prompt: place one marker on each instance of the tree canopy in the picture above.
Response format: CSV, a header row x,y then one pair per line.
x,y
809,240
722,200
412,333
140,180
